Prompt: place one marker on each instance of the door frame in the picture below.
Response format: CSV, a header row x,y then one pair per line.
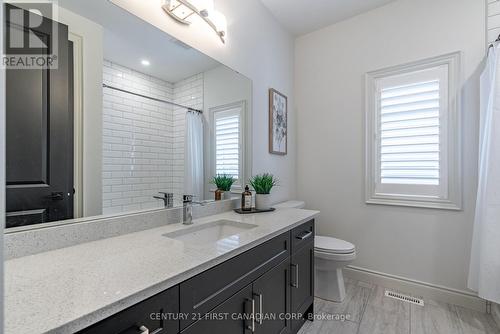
x,y
78,123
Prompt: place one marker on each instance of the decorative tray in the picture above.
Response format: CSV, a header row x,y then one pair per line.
x,y
254,210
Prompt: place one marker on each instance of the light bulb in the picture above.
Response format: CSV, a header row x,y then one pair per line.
x,y
220,22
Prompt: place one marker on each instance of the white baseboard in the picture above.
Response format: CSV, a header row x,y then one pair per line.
x,y
495,312
416,288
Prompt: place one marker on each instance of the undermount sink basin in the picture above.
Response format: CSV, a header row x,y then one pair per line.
x,y
210,232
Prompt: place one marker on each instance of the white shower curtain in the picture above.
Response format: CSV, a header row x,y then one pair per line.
x,y
484,271
193,155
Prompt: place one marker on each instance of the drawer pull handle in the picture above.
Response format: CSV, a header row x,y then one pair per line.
x,y
296,283
261,312
144,330
304,235
252,327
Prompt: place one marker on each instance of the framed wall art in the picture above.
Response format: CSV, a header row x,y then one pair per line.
x,y
278,123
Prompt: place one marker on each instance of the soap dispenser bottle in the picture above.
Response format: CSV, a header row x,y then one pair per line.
x,y
246,200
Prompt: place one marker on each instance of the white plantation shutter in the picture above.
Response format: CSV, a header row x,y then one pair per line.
x,y
410,134
413,135
228,142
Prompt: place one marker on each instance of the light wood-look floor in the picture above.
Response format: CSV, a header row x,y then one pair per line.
x,y
368,311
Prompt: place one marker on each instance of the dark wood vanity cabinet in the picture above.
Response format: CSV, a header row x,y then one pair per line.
x,y
260,307
261,291
150,316
302,273
205,291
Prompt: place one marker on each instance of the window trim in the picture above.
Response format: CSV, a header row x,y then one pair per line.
x,y
453,200
243,141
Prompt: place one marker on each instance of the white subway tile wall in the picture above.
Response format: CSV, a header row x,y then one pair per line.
x,y
493,20
143,140
137,140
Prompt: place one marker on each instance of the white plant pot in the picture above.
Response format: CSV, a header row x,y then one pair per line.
x,y
226,195
262,202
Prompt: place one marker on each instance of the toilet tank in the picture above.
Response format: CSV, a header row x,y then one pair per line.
x,y
291,205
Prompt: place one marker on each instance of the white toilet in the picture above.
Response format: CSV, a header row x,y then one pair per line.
x,y
331,256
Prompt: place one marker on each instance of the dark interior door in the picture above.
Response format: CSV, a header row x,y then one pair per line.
x,y
39,170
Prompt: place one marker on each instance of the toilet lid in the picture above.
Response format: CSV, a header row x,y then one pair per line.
x,y
332,245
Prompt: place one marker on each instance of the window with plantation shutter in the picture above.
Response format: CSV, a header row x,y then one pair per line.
x,y
413,151
228,141
409,133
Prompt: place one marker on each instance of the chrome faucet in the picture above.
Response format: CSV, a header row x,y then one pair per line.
x,y
187,209
168,198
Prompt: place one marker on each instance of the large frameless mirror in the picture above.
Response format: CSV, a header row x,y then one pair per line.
x,y
130,119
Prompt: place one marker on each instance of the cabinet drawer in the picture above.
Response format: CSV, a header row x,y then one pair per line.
x,y
147,314
302,235
233,316
204,292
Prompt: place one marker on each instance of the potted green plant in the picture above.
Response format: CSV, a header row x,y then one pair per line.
x,y
224,182
263,184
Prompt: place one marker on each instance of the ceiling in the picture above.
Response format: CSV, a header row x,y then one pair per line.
x,y
304,16
128,40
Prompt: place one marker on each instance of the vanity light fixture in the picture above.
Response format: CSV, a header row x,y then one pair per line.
x,y
183,11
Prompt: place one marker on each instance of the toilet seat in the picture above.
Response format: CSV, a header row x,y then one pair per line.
x,y
335,257
330,245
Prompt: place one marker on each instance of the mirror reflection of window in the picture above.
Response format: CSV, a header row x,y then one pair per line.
x,y
228,142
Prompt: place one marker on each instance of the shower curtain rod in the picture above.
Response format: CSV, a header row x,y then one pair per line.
x,y
493,44
152,98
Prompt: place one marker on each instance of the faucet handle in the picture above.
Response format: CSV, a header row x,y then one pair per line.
x,y
168,199
188,199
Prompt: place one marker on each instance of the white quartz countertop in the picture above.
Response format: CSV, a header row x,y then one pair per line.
x,y
68,289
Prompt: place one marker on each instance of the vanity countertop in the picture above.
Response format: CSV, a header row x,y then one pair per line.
x,y
68,289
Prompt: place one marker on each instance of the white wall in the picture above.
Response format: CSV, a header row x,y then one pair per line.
x,y
259,48
91,35
421,244
223,86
